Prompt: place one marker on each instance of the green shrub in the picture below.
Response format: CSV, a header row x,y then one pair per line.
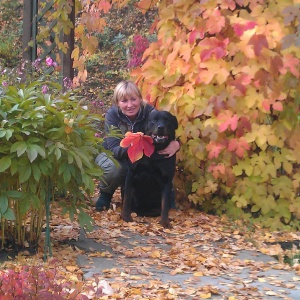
x,y
48,143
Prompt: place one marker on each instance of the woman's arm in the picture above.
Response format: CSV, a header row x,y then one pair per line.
x,y
171,150
113,143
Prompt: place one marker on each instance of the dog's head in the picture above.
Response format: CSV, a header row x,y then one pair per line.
x,y
161,127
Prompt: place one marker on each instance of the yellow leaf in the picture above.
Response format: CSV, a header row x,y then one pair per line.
x,y
153,70
205,296
189,109
185,51
170,79
75,53
173,55
136,291
198,274
155,254
213,68
74,278
71,268
68,129
144,5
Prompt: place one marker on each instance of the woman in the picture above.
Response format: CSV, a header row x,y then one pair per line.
x,y
129,113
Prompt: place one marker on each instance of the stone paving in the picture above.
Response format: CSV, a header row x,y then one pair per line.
x,y
257,276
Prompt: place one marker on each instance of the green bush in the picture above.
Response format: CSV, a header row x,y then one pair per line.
x,y
48,143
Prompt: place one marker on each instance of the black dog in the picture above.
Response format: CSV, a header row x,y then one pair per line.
x,y
148,185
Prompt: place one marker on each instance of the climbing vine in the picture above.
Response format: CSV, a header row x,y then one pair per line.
x,y
229,70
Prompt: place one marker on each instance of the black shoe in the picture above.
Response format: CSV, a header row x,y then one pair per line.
x,y
103,202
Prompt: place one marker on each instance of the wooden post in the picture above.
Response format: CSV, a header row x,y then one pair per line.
x,y
67,61
34,28
27,33
30,9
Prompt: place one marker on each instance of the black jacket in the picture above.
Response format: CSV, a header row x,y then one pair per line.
x,y
115,119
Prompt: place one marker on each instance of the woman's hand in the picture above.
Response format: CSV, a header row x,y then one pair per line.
x,y
172,148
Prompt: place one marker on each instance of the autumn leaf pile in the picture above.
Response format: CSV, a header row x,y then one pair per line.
x,y
197,245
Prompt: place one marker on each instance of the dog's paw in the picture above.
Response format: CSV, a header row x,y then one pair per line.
x,y
127,218
165,224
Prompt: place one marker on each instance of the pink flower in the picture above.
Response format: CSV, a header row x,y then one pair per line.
x,y
45,89
67,83
49,61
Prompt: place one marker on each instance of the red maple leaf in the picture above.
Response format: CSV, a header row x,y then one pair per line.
x,y
244,125
217,170
276,105
218,103
214,149
258,41
238,146
240,82
239,29
196,34
291,63
228,121
138,144
215,46
104,5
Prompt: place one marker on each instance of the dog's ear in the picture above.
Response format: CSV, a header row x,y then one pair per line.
x,y
174,121
147,123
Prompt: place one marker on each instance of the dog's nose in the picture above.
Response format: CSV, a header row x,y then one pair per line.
x,y
161,127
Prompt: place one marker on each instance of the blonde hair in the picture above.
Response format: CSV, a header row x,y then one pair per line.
x,y
126,88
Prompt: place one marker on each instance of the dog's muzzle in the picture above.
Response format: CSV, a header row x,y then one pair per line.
x,y
159,139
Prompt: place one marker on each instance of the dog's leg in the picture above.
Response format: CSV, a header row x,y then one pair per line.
x,y
126,207
165,205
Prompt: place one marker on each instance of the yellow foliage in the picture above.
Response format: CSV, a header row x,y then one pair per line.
x,y
231,76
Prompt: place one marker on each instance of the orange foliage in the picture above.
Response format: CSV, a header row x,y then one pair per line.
x,y
229,71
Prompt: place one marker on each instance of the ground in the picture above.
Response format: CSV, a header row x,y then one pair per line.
x,y
199,246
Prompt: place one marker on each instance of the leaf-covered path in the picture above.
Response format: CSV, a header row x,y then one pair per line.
x,y
201,257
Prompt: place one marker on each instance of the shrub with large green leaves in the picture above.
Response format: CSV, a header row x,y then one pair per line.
x,y
48,143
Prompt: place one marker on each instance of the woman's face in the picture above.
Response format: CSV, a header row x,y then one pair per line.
x,y
130,105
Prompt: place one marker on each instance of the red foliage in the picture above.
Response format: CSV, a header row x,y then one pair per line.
x,y
140,44
138,144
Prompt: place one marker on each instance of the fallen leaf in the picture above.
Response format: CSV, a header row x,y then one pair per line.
x,y
198,274
271,293
205,296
